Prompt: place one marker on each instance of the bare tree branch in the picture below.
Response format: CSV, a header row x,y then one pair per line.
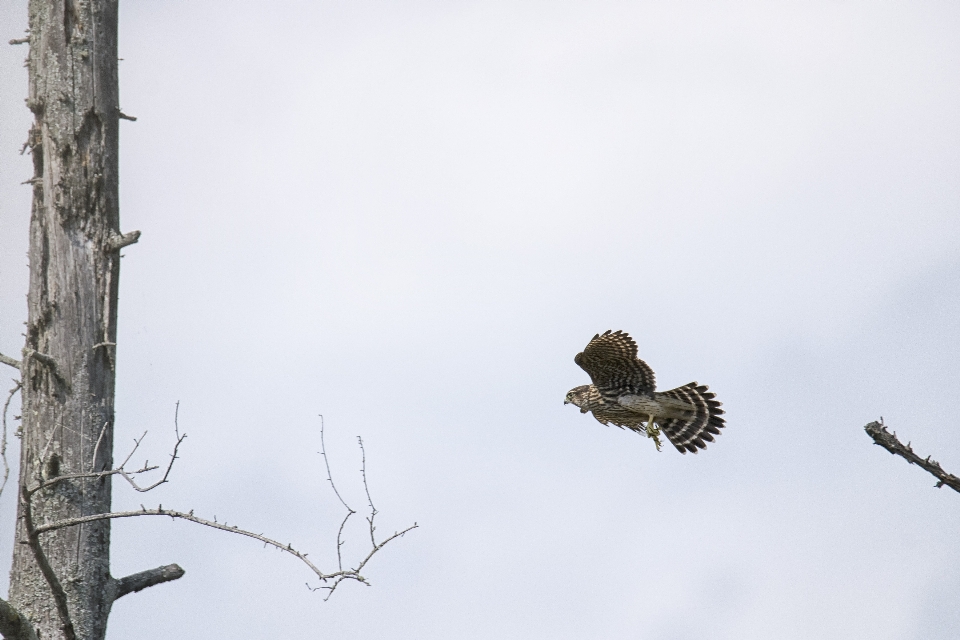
x,y
49,361
83,476
145,579
118,241
3,438
140,581
354,573
889,441
59,595
7,360
95,475
349,574
156,574
136,445
121,470
14,625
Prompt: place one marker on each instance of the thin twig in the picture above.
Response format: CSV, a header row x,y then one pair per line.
x,y
96,448
375,547
889,441
121,470
363,473
340,542
350,512
173,456
136,445
323,452
374,550
3,440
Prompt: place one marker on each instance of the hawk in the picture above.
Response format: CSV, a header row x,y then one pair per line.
x,y
624,393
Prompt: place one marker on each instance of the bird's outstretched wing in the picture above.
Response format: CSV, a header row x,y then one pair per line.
x,y
612,362
692,432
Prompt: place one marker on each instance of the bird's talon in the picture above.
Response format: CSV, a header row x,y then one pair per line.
x,y
653,431
654,434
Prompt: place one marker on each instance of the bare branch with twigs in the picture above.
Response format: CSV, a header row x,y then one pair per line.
x,y
878,431
375,546
3,438
337,576
172,572
173,456
93,475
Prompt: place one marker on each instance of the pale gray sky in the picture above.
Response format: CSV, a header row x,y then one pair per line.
x,y
410,216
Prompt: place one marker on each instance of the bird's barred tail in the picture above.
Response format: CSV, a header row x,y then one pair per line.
x,y
692,432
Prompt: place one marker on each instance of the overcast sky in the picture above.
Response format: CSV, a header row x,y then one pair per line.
x,y
410,216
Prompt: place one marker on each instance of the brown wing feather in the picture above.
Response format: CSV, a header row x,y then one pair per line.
x,y
612,363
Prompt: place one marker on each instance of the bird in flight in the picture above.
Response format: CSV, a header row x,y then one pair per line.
x,y
624,393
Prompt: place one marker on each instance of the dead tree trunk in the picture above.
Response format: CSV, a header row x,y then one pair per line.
x,y
60,583
62,580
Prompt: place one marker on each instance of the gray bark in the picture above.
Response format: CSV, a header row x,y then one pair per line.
x,y
13,626
69,358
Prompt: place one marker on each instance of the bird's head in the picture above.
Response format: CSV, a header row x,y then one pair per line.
x,y
578,396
